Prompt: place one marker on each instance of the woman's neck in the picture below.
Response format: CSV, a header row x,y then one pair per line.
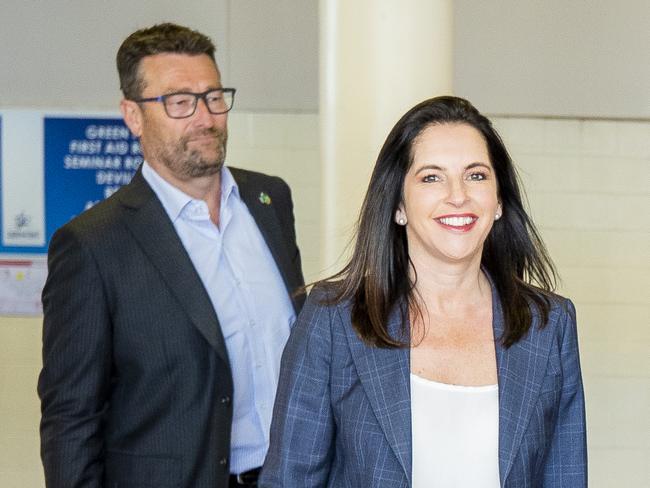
x,y
450,288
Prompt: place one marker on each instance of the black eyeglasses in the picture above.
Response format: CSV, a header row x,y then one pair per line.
x,y
183,104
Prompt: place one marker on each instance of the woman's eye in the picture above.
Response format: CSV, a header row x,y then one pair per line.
x,y
477,176
431,178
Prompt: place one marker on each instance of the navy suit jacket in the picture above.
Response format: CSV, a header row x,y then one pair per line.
x,y
136,385
343,419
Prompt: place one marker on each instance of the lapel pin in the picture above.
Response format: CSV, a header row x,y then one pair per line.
x,y
264,199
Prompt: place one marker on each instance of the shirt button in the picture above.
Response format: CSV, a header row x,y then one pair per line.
x,y
225,400
251,323
223,461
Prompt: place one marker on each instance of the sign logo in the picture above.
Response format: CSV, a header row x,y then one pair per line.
x,y
22,227
22,220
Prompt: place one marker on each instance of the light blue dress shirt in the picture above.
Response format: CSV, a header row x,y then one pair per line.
x,y
249,297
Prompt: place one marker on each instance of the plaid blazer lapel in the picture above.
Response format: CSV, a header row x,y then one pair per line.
x,y
520,371
384,374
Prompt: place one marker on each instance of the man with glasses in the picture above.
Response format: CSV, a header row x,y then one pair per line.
x,y
167,306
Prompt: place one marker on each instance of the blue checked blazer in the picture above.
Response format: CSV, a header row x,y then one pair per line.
x,y
342,414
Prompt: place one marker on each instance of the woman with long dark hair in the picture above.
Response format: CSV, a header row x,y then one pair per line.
x,y
439,356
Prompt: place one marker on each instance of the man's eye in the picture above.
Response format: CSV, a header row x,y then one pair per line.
x,y
179,101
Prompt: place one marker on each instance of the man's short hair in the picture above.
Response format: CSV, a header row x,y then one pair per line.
x,y
158,39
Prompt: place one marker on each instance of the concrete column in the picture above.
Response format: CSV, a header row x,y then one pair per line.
x,y
377,59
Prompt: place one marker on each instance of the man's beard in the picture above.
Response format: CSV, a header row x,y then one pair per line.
x,y
186,163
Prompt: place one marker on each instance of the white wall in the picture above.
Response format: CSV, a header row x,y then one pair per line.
x,y
554,57
273,52
61,54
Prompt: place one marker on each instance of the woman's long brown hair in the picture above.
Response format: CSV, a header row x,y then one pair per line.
x,y
376,279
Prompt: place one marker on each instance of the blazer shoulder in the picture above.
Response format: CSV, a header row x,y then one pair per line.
x,y
321,305
322,312
323,294
103,218
93,222
561,317
560,307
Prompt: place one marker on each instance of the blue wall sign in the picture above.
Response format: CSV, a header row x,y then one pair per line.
x,y
86,160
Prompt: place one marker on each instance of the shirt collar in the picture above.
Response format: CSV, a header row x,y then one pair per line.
x,y
174,200
228,186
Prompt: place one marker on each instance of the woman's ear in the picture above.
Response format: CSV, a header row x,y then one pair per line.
x,y
400,216
499,212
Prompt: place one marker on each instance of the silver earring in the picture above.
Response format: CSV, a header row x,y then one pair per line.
x,y
401,221
497,216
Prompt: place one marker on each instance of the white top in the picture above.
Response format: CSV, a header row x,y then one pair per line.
x,y
455,432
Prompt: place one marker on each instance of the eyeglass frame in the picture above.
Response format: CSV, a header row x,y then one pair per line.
x,y
197,96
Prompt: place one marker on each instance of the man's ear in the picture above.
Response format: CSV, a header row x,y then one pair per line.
x,y
132,116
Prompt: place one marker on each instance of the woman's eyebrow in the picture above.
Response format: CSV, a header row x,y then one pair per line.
x,y
430,166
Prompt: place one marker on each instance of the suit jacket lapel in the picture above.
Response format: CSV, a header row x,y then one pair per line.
x,y
520,370
267,221
148,222
385,376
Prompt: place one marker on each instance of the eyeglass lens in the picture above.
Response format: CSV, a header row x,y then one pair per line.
x,y
184,104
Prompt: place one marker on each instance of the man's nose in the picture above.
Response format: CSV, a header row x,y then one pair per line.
x,y
202,115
